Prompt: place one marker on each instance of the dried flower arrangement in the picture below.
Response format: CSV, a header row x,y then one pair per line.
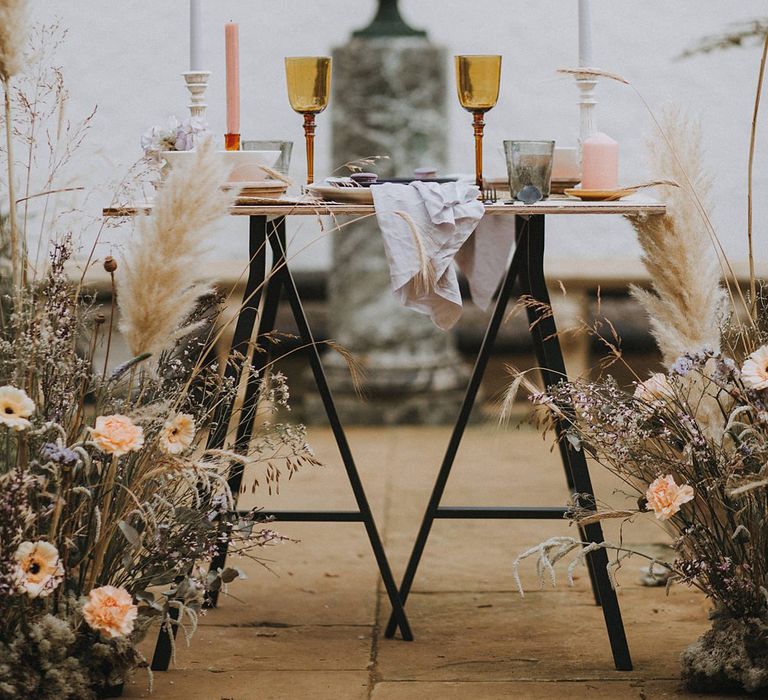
x,y
107,487
690,443
174,136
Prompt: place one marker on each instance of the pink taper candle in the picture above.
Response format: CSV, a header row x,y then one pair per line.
x,y
232,43
600,163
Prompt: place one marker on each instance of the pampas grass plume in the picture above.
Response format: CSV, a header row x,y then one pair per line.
x,y
166,263
13,21
686,301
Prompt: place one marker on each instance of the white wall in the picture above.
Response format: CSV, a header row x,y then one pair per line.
x,y
126,56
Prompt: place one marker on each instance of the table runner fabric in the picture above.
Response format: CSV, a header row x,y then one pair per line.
x,y
432,221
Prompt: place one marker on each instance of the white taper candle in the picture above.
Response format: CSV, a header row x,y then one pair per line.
x,y
195,35
585,33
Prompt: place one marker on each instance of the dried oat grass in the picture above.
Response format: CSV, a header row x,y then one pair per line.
x,y
165,268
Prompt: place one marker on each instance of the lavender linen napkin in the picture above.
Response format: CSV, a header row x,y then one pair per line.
x,y
435,222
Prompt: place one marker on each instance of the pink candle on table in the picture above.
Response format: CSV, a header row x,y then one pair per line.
x,y
600,163
232,44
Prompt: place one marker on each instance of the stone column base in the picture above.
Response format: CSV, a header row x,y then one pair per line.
x,y
391,393
427,408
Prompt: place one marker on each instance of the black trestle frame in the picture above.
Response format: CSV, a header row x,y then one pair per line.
x,y
526,269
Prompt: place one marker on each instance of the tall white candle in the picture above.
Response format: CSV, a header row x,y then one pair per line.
x,y
585,33
196,35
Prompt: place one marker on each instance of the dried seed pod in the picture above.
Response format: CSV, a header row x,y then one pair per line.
x,y
110,264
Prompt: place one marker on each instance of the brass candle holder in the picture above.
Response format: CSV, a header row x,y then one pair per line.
x,y
309,86
477,82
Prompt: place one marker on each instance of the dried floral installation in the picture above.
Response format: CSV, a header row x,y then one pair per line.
x,y
110,502
690,443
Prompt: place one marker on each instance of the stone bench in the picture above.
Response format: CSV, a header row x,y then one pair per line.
x,y
574,290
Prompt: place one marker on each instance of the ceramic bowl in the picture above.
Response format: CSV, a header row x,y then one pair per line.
x,y
242,166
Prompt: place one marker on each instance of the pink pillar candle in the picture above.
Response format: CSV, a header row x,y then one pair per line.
x,y
232,45
600,163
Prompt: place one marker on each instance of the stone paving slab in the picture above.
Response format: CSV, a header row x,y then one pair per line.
x,y
535,690
247,685
326,577
494,466
327,486
258,649
313,629
551,635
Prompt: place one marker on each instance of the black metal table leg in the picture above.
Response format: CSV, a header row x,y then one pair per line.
x,y
551,360
278,246
546,345
481,362
161,659
261,356
246,321
258,364
280,279
527,265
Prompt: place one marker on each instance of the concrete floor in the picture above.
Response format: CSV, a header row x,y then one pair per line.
x,y
312,628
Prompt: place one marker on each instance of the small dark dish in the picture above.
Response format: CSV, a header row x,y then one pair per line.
x,y
364,179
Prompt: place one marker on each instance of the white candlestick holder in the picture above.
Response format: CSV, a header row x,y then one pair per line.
x,y
586,82
197,83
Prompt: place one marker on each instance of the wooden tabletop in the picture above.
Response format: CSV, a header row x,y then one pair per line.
x,y
627,207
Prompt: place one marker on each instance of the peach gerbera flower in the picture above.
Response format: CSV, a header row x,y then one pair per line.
x,y
38,569
177,434
665,497
15,408
655,388
754,373
117,435
110,611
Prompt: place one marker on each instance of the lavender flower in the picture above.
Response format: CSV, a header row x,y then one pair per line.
x,y
682,366
51,452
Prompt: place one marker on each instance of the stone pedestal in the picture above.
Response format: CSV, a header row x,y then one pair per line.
x,y
389,99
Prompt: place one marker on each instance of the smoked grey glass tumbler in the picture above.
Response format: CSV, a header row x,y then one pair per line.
x,y
529,166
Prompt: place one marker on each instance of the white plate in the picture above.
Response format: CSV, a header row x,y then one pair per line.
x,y
242,166
350,195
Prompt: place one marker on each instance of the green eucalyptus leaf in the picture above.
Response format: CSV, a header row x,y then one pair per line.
x,y
574,440
164,579
146,596
130,533
230,574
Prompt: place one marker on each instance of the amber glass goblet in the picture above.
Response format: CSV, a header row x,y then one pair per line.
x,y
309,85
477,82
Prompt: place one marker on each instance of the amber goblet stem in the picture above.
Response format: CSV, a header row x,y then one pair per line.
x,y
479,125
309,135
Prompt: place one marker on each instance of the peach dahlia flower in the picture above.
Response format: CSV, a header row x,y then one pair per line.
x,y
117,435
177,434
15,408
110,611
754,372
655,388
38,568
665,497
